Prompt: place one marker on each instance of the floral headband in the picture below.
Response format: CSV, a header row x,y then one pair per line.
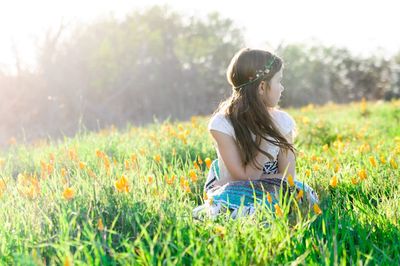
x,y
259,73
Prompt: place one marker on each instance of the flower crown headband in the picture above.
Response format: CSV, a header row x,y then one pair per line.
x,y
259,73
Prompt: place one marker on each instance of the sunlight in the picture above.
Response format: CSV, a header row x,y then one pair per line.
x,y
360,26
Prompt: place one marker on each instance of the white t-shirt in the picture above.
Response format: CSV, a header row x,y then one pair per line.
x,y
219,122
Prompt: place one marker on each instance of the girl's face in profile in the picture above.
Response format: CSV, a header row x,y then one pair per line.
x,y
271,95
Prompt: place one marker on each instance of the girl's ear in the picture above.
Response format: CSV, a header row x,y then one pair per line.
x,y
261,87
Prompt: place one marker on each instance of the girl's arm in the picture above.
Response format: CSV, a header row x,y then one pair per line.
x,y
230,155
285,160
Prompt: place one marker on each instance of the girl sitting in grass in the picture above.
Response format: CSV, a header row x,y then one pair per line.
x,y
254,139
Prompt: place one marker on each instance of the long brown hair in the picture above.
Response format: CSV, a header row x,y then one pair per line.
x,y
246,111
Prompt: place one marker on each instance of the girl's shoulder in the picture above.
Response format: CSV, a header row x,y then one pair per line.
x,y
220,122
283,120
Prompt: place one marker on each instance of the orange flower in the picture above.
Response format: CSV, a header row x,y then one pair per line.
x,y
290,180
122,184
150,180
269,198
308,172
362,174
393,163
106,161
205,196
383,159
67,262
157,158
200,160
334,181
82,165
317,210
354,180
171,180
208,162
193,175
278,210
372,161
100,224
299,194
196,165
99,154
184,184
325,147
220,231
68,193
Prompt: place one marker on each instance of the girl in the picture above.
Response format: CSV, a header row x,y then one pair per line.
x,y
254,140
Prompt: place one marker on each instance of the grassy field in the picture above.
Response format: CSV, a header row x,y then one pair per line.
x,y
126,196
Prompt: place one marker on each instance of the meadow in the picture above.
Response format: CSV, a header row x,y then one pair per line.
x,y
126,196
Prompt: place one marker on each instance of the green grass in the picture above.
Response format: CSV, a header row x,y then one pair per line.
x,y
152,223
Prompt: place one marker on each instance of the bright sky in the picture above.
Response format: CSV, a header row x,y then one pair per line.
x,y
362,26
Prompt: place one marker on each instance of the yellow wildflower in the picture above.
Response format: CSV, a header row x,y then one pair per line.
x,y
100,224
171,180
317,209
290,180
157,158
354,180
205,196
362,174
68,193
269,198
334,181
193,175
220,231
372,161
67,262
325,147
82,165
278,210
122,184
393,163
99,154
300,194
308,172
208,162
